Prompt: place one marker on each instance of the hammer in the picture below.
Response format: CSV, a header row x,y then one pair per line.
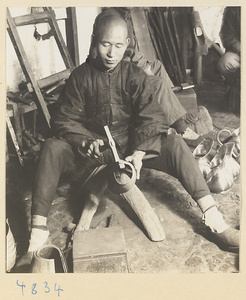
x,y
182,87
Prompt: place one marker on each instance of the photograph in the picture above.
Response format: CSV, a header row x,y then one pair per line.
x,y
122,144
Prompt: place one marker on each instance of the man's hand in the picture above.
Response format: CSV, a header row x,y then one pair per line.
x,y
148,70
136,159
92,147
233,64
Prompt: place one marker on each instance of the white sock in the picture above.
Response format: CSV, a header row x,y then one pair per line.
x,y
37,239
214,220
206,202
211,216
39,233
39,220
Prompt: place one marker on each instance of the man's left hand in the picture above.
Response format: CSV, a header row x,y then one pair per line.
x,y
148,71
136,159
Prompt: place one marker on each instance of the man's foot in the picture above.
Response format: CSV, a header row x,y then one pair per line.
x,y
23,265
39,236
228,240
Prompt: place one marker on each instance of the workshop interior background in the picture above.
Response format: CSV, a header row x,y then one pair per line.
x,y
186,248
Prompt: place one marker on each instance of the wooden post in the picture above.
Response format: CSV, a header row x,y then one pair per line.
x,y
134,197
94,190
143,210
140,26
72,35
59,39
14,140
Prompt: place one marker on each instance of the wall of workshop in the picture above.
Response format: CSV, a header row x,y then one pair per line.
x,y
85,20
44,56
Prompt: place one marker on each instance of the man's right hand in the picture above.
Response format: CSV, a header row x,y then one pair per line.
x,y
92,147
232,64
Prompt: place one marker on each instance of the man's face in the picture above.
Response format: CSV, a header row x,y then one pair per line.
x,y
111,45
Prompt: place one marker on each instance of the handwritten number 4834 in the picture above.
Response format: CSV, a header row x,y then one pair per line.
x,y
34,290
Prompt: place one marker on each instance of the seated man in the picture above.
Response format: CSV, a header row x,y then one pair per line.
x,y
186,122
106,90
229,63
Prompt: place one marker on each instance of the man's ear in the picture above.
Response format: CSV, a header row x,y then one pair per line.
x,y
93,40
93,49
128,41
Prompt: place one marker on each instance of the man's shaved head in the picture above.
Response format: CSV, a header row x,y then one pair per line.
x,y
110,39
106,21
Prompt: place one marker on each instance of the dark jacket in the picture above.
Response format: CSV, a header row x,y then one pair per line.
x,y
124,99
230,32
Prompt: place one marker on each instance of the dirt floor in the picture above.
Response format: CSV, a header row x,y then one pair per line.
x,y
186,249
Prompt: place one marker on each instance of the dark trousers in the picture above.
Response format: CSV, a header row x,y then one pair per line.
x,y
57,157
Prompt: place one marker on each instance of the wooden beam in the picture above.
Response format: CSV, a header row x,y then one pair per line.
x,y
32,19
54,78
59,39
142,33
21,54
72,35
23,109
143,210
14,140
16,116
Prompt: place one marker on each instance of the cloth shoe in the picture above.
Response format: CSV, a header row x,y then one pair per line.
x,y
228,240
201,122
38,238
23,264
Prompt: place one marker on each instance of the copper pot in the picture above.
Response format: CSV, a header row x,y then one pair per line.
x,y
202,153
224,169
234,137
49,259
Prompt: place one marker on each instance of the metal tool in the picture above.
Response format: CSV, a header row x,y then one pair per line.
x,y
113,147
182,87
114,182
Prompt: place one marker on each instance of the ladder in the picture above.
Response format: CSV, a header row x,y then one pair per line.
x,y
35,86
